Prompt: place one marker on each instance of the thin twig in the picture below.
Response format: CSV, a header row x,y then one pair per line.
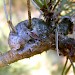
x,y
11,25
9,21
56,40
29,13
5,10
55,5
10,5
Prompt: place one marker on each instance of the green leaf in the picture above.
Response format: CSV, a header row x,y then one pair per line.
x,y
39,3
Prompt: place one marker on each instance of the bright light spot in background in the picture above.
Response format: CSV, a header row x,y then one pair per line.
x,y
41,65
42,71
37,64
63,13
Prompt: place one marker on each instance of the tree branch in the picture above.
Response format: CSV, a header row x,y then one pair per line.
x,y
12,56
66,47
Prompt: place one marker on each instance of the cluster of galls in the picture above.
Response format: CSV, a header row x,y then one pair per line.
x,y
24,35
66,26
40,31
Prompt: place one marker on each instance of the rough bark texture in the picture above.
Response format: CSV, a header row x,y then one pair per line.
x,y
41,40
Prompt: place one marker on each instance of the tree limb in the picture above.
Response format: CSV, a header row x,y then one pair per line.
x,y
66,47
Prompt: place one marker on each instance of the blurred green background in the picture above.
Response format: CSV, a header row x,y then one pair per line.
x,y
46,63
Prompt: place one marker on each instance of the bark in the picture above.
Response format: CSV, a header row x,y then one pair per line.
x,y
66,47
